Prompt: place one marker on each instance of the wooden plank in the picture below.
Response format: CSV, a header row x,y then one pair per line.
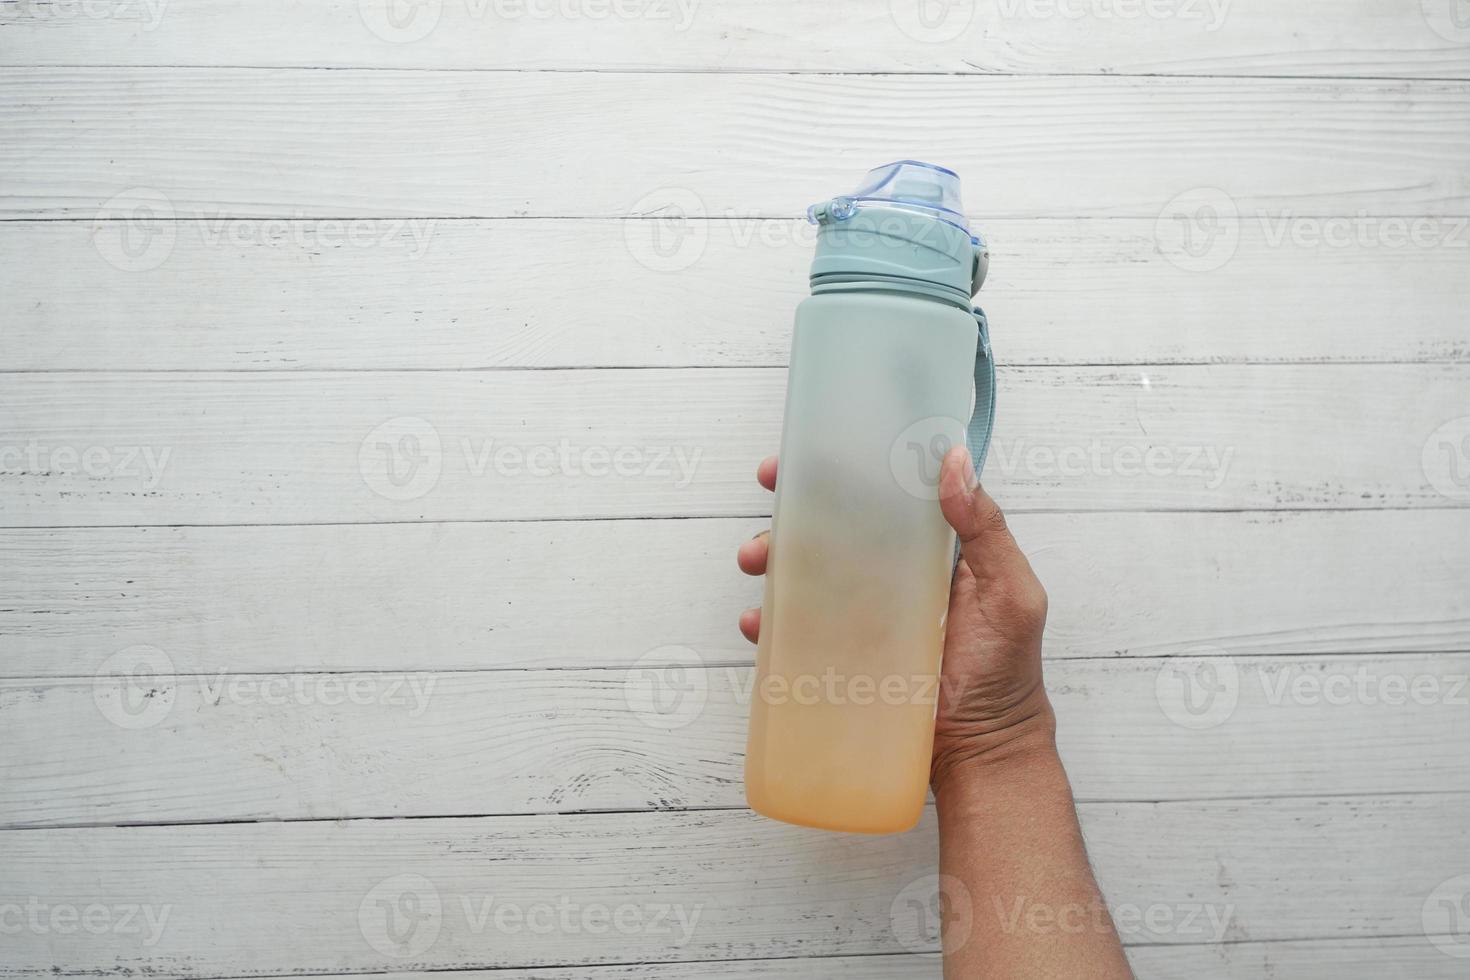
x,y
149,747
1300,960
429,597
204,142
1409,956
169,448
247,295
268,899
1240,37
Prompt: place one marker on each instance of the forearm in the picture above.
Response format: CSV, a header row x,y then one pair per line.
x,y
1010,844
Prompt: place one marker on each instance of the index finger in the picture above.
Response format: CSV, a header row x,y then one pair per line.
x,y
766,473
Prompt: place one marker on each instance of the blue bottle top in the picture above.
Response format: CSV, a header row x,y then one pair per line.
x,y
910,185
903,228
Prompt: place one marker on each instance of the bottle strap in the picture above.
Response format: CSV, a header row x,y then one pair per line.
x,y
982,420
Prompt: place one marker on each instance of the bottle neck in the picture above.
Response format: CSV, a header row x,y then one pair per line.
x,y
842,282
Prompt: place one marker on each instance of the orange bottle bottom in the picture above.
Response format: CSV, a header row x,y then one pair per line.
x,y
859,820
838,752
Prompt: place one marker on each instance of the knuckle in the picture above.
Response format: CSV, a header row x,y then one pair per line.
x,y
995,519
1028,604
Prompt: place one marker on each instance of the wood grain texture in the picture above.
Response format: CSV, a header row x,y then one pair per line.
x,y
1263,870
1301,960
252,295
102,449
1405,957
229,294
430,597
1243,37
148,748
434,144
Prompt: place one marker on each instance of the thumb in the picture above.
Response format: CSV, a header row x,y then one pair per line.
x,y
985,541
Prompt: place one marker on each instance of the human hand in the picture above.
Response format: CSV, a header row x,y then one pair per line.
x,y
992,704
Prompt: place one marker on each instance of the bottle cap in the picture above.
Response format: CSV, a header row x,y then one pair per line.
x,y
903,228
908,185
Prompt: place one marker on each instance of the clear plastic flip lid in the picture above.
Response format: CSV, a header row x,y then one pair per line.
x,y
907,185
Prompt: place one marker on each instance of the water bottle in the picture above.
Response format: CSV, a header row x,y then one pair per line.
x,y
890,368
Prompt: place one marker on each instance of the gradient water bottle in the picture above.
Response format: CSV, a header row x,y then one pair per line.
x,y
890,368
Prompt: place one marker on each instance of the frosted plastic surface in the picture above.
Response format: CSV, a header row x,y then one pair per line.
x,y
880,386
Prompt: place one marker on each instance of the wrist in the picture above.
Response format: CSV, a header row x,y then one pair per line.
x,y
1023,752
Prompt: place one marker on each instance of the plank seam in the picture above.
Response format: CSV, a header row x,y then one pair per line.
x,y
754,516
70,216
711,219
978,73
20,828
1356,939
1325,362
62,679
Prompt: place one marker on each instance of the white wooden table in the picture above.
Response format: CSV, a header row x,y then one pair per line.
x,y
382,388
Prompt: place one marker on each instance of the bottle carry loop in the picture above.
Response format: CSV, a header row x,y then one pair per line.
x,y
982,419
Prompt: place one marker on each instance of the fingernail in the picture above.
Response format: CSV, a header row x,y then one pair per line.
x,y
971,480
